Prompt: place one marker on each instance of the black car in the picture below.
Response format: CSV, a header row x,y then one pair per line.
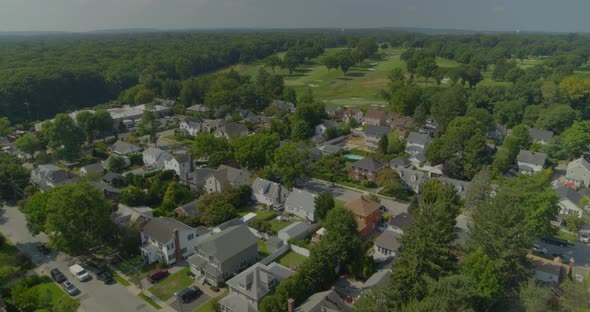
x,y
57,276
43,249
189,294
105,277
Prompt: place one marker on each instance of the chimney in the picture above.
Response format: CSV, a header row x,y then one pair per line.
x,y
290,305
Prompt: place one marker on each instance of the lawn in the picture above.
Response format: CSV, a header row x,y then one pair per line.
x,y
209,306
129,264
566,236
291,259
141,273
57,294
262,249
120,280
149,300
339,203
171,284
279,225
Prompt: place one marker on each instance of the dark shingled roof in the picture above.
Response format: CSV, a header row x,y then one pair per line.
x,y
162,229
389,240
369,163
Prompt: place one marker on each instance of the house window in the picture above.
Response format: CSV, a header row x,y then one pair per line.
x,y
171,246
183,250
190,236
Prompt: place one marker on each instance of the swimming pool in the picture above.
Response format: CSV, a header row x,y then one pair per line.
x,y
353,157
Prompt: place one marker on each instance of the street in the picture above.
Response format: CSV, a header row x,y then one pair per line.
x,y
95,296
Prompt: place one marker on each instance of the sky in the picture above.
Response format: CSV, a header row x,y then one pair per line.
x,y
493,15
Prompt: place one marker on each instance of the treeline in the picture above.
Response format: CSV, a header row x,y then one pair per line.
x,y
48,75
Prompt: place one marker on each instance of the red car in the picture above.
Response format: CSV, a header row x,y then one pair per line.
x,y
157,275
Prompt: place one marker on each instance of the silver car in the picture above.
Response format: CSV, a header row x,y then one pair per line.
x,y
584,237
70,288
540,250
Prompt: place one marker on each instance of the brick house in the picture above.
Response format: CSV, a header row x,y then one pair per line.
x,y
366,169
367,214
375,117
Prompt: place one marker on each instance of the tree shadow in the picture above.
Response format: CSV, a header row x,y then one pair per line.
x,y
355,74
343,78
303,70
37,257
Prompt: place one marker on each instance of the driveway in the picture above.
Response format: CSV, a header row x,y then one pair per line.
x,y
95,296
187,307
393,207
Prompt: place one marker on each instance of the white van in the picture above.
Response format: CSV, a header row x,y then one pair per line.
x,y
79,272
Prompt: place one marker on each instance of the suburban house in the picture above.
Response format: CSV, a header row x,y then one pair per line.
x,y
400,162
125,214
329,149
578,172
191,127
154,157
399,222
282,106
269,193
367,214
548,272
296,230
334,112
375,117
167,240
570,200
231,130
123,148
373,134
530,162
401,123
92,169
387,244
189,209
416,146
412,179
247,288
246,115
323,127
108,191
198,108
540,136
196,179
114,179
301,203
380,278
181,163
353,114
221,255
325,301
225,177
107,162
366,169
462,187
49,176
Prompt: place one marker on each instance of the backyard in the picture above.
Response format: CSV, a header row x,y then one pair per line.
x,y
58,296
291,259
172,284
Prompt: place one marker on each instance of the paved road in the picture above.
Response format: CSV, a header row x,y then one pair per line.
x,y
392,206
580,252
95,296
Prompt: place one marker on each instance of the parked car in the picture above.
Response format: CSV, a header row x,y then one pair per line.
x,y
57,276
540,250
105,277
555,241
43,249
189,294
79,272
584,237
70,288
157,275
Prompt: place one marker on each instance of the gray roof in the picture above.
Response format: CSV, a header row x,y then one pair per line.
x,y
330,149
371,164
412,177
255,281
325,301
379,278
235,177
389,240
48,176
162,229
400,162
266,188
566,192
419,138
233,129
295,229
228,242
301,199
124,148
198,108
154,152
462,187
529,157
126,214
236,303
202,230
110,176
377,131
540,135
190,209
197,178
401,220
330,124
230,223
105,187
93,168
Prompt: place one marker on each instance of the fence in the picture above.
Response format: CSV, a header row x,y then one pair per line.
x,y
277,253
300,250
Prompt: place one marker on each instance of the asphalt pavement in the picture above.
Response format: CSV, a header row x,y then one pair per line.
x,y
95,296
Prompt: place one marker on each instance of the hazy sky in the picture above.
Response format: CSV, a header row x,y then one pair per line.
x,y
84,15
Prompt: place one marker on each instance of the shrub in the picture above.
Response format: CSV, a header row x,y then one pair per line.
x,y
214,288
23,260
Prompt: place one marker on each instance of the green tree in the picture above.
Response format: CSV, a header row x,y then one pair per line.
x,y
576,139
133,196
479,190
117,163
426,68
556,118
534,297
382,145
330,61
291,162
272,62
574,223
13,177
103,122
63,136
4,126
76,217
215,209
342,240
462,149
345,60
448,104
176,195
332,167
478,267
324,202
148,125
574,296
391,183
472,75
449,293
85,121
255,151
28,143
216,150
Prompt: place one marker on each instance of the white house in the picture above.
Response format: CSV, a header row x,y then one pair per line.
x,y
530,162
301,203
181,164
570,200
387,244
323,127
168,240
578,172
154,157
269,193
191,127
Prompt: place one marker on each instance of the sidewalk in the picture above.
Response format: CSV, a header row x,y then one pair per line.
x,y
132,288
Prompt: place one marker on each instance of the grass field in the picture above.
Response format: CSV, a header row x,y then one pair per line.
x,y
291,259
120,280
150,301
209,306
171,284
58,296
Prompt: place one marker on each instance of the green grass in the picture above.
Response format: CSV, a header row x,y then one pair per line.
x,y
566,236
173,283
291,259
127,265
339,203
150,301
262,249
141,273
120,280
209,306
279,225
58,296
